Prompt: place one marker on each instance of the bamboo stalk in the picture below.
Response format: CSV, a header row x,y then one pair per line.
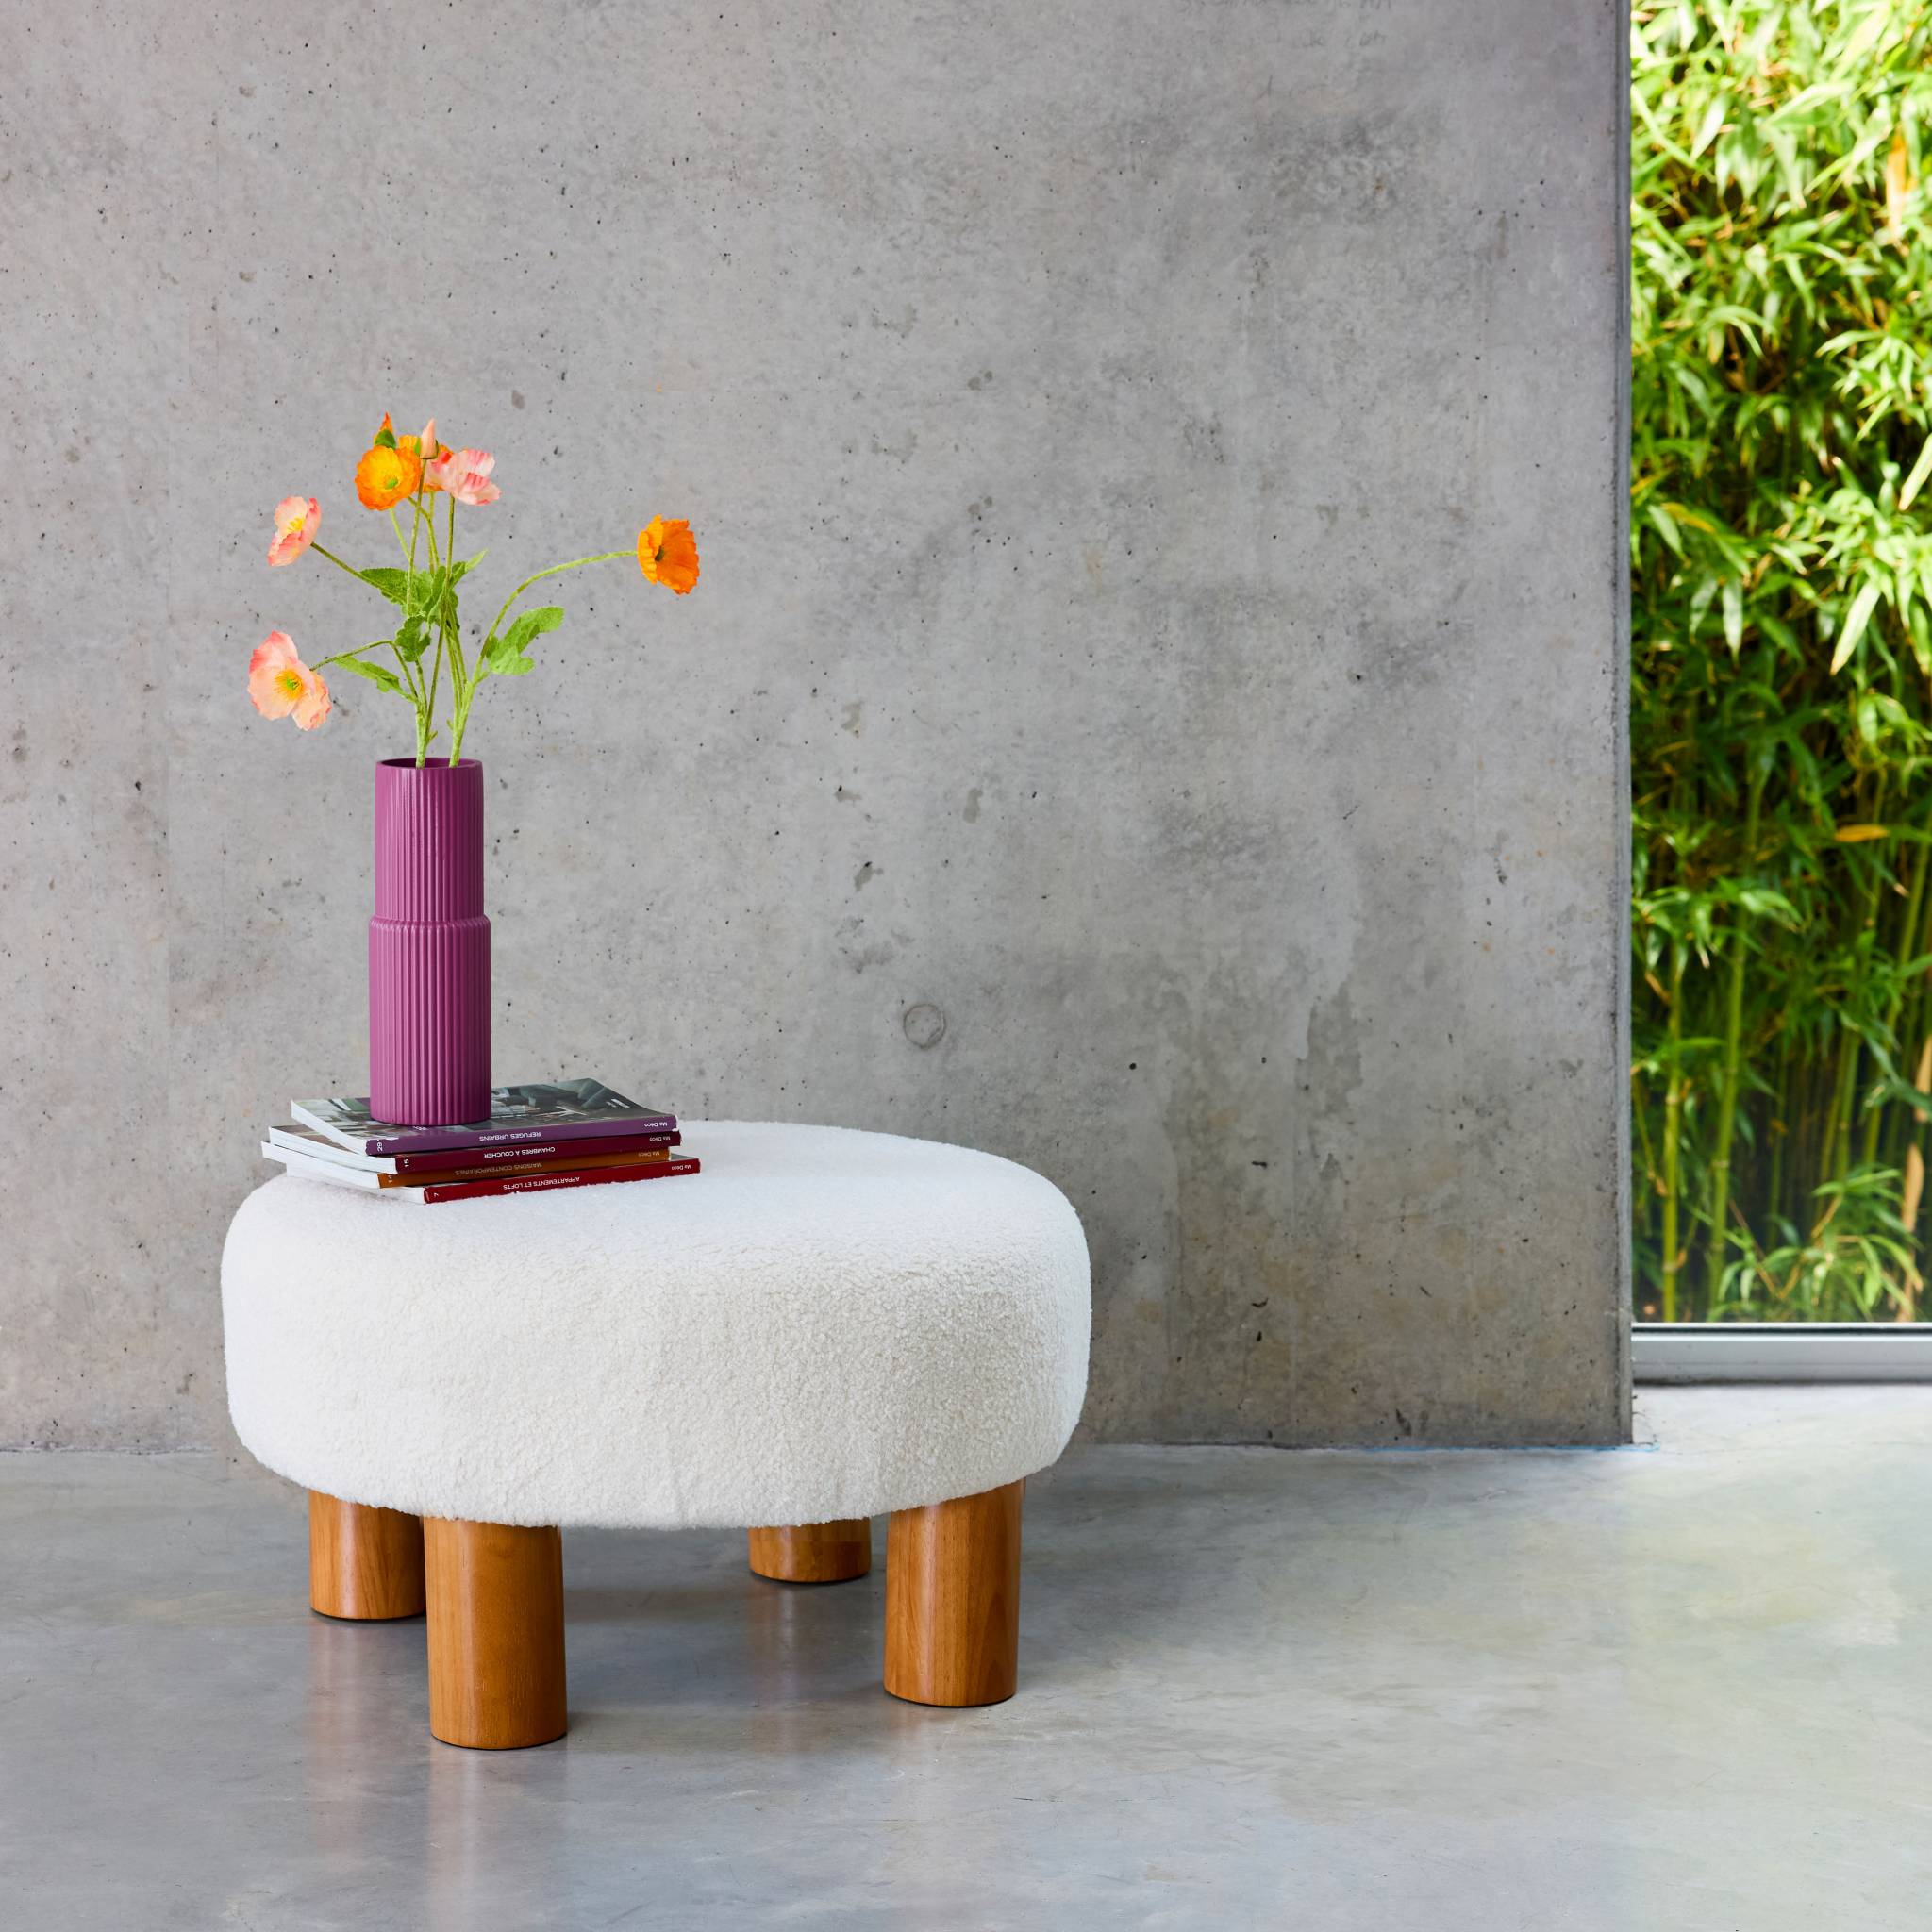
x,y
1837,1129
1727,1090
1908,932
1851,1046
1673,1120
1781,1128
1915,1176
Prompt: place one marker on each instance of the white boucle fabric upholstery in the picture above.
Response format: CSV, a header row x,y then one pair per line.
x,y
821,1323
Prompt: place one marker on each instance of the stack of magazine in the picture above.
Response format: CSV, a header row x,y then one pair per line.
x,y
558,1134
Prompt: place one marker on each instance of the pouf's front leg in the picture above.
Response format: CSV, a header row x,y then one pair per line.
x,y
952,1600
496,1634
812,1551
364,1564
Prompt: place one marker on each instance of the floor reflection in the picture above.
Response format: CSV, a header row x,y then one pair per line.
x,y
366,1725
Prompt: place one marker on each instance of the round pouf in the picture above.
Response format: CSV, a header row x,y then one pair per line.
x,y
821,1326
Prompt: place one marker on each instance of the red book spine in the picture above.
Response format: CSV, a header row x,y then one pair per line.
x,y
534,1183
524,1150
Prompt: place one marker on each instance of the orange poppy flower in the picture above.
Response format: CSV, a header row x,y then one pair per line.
x,y
385,477
390,471
667,554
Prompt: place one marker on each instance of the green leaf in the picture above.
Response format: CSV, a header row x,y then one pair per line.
x,y
376,674
1708,129
1920,470
1660,521
533,623
1856,620
1862,40
385,438
1702,599
504,654
498,657
1918,629
394,584
410,642
431,592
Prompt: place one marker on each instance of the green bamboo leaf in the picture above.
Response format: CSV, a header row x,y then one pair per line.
x,y
1856,620
1865,37
1733,615
1701,598
1655,515
1915,480
1707,129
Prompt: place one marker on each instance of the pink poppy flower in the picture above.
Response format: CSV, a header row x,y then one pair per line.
x,y
424,447
297,518
465,474
279,682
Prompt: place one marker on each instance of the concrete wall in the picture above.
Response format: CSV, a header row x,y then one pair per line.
x,y
1159,475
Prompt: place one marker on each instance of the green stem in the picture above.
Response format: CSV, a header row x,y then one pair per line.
x,y
411,683
452,632
418,695
339,564
427,516
467,687
576,564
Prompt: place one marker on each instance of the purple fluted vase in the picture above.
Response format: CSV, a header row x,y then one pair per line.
x,y
428,946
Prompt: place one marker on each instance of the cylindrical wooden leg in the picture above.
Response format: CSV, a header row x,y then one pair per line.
x,y
364,1564
496,1634
812,1551
952,1600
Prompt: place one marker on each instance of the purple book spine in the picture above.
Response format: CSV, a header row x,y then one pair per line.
x,y
428,948
508,1137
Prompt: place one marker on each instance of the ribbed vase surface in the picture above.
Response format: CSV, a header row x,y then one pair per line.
x,y
428,946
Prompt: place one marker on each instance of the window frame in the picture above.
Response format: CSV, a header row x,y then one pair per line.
x,y
1781,1351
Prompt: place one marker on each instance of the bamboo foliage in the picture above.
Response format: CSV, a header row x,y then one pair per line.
x,y
1781,659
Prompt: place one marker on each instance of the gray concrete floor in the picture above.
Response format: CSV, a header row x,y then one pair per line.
x,y
1682,1686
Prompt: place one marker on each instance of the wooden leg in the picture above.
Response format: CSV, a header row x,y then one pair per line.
x,y
812,1551
496,1634
952,1600
364,1564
